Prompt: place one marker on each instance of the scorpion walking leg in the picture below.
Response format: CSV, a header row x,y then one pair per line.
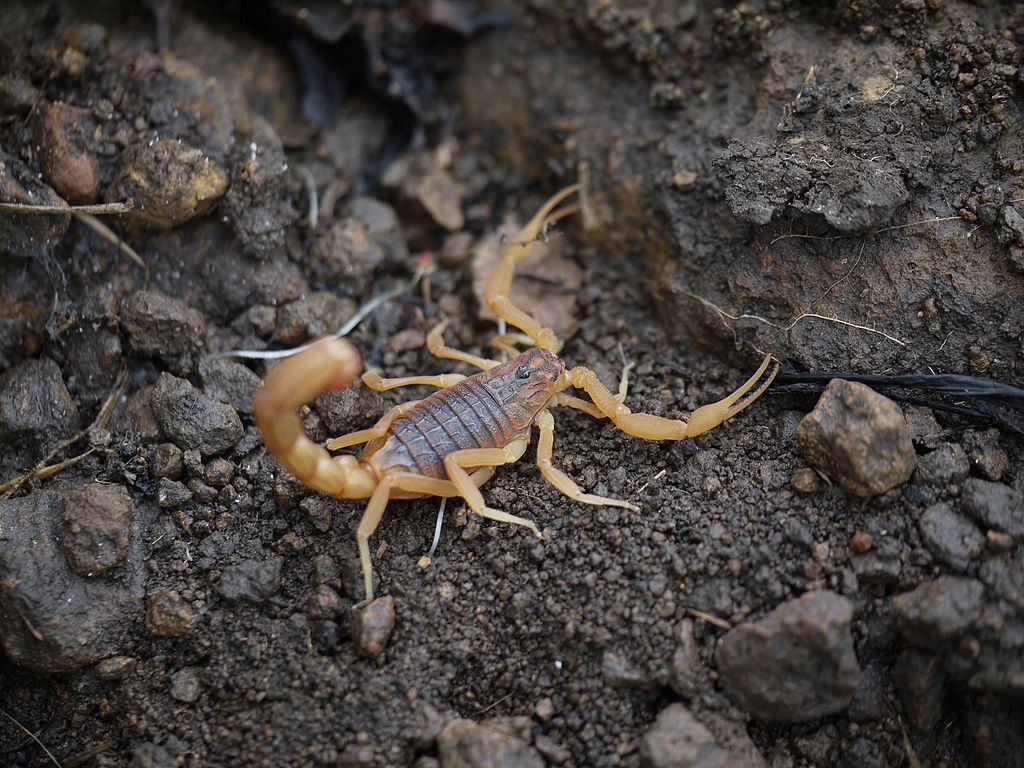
x,y
499,285
376,432
657,428
546,423
456,463
373,380
437,347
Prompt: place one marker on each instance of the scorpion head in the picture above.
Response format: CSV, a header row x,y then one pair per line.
x,y
526,384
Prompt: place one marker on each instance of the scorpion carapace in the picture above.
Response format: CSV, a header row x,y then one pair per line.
x,y
450,443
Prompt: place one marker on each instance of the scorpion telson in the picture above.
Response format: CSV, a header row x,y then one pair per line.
x,y
450,443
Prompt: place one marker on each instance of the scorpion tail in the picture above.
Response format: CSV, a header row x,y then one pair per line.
x,y
329,364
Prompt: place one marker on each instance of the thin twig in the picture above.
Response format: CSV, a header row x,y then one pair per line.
x,y
709,618
34,738
108,234
93,210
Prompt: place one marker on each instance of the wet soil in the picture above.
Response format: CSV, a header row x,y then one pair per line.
x,y
174,599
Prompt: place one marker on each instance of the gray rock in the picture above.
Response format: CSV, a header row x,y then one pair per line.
x,y
185,685
869,702
28,235
345,255
859,438
96,528
372,626
171,494
229,382
619,671
938,612
164,328
882,563
919,681
51,619
193,420
994,505
678,740
315,315
953,539
36,410
797,663
383,226
152,755
251,580
946,464
464,744
685,664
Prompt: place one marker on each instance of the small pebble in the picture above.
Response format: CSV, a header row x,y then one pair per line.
x,y
373,625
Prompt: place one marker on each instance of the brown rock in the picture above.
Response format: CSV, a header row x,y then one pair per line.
x,y
373,625
96,528
169,182
315,315
168,615
805,480
465,744
858,437
165,328
63,133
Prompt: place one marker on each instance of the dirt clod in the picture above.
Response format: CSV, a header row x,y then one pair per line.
x,y
994,505
465,744
36,410
315,315
678,740
795,664
168,615
938,612
191,419
372,626
946,464
251,580
171,494
858,437
952,538
229,382
165,328
96,527
116,667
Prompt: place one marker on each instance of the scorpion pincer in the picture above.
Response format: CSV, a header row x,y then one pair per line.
x,y
450,443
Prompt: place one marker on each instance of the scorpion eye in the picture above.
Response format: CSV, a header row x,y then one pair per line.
x,y
523,372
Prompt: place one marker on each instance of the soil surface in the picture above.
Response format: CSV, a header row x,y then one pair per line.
x,y
836,183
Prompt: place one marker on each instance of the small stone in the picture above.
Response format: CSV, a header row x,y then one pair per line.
x,y
152,755
882,564
326,635
36,409
919,680
315,315
169,182
319,510
324,603
164,328
859,438
171,494
166,461
797,663
805,480
939,612
345,254
678,740
985,453
465,744
953,539
382,224
373,625
325,569
619,672
544,710
994,505
96,528
193,420
552,752
946,464
220,472
251,580
861,542
168,615
229,382
115,667
185,685
685,662
998,542
64,134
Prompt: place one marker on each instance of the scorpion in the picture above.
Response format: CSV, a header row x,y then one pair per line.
x,y
450,443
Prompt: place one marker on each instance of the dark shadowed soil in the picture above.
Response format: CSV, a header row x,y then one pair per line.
x,y
837,183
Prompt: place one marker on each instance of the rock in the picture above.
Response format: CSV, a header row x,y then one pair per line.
x,y
619,672
97,527
881,563
165,328
193,420
383,227
324,603
678,740
169,182
220,472
318,314
861,542
152,755
325,569
946,464
869,702
64,134
171,494
168,615
373,625
954,540
938,612
252,580
805,480
349,409
185,685
919,680
28,234
994,505
51,619
36,410
166,462
345,256
17,93
797,663
229,382
464,744
93,358
986,454
685,664
115,668
859,438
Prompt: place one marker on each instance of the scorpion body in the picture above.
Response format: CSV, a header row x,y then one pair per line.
x,y
450,443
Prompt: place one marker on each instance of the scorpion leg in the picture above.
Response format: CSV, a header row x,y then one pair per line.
x,y
377,431
456,463
499,285
657,428
373,380
437,347
546,423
